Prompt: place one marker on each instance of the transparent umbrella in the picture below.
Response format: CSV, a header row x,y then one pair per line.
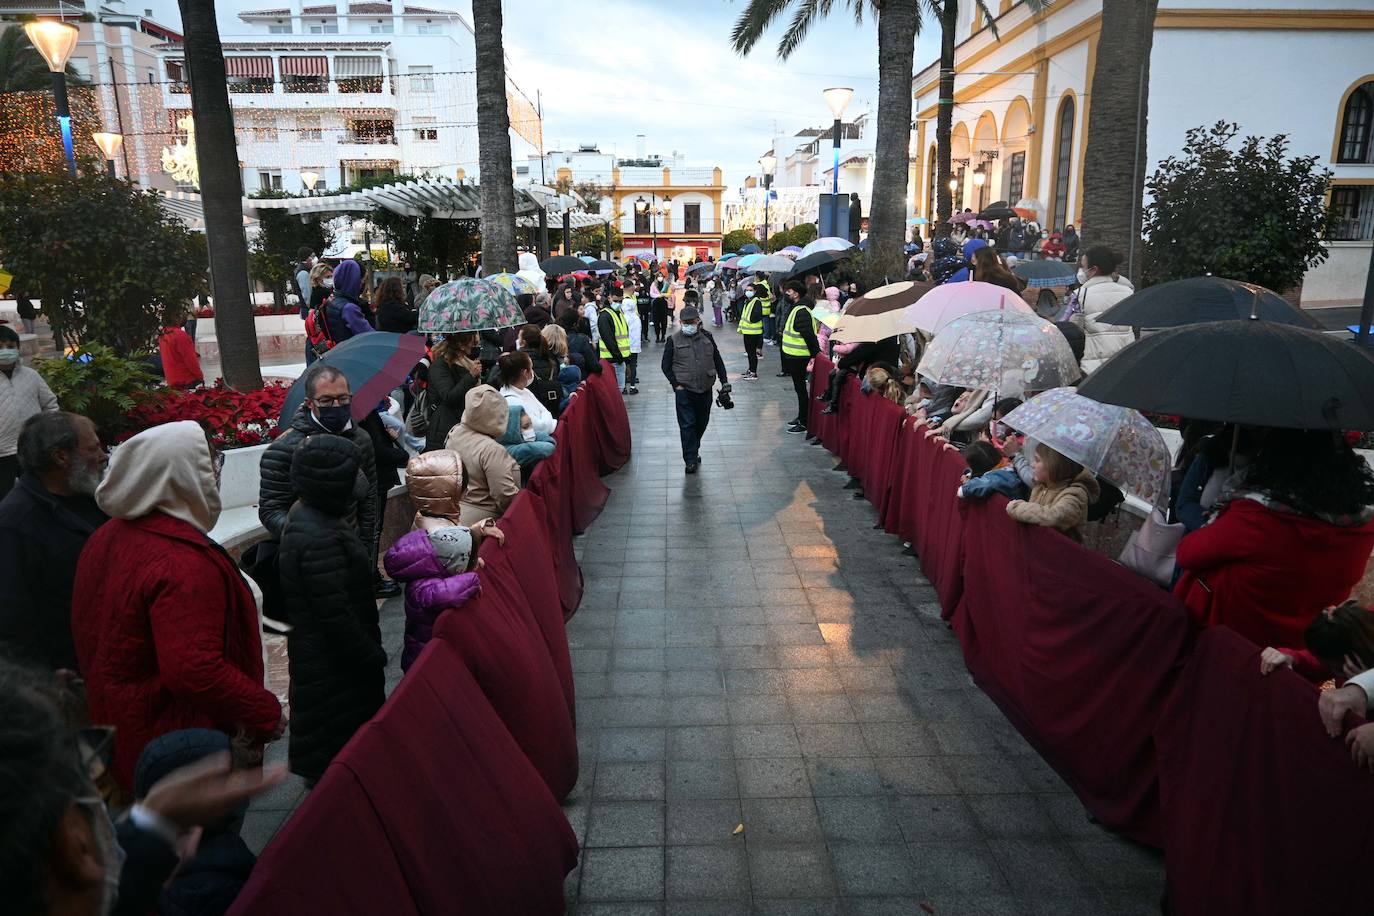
x,y
1002,350
827,243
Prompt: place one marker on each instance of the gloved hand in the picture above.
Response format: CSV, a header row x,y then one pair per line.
x,y
726,387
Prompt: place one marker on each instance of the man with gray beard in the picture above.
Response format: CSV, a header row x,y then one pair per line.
x,y
44,523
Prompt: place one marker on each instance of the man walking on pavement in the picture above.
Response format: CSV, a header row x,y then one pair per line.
x,y
613,332
692,363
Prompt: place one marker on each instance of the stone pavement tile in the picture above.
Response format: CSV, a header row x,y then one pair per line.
x,y
1036,867
260,826
707,872
630,744
932,818
1114,862
626,712
589,637
781,820
807,656
637,683
957,865
695,683
1012,816
1069,815
681,658
639,660
640,635
696,822
699,742
756,708
590,660
870,870
773,907
985,776
795,634
738,907
629,781
915,775
689,633
702,779
622,874
858,820
773,777
813,680
830,739
874,679
790,871
697,711
625,824
821,707
1038,774
971,903
742,635
637,908
748,657
898,739
839,776
755,681
765,741
734,616
284,796
882,707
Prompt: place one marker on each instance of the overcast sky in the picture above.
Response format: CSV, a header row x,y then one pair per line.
x,y
611,69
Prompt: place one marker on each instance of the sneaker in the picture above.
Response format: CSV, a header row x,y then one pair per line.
x,y
796,428
634,389
782,375
692,467
386,588
830,409
750,376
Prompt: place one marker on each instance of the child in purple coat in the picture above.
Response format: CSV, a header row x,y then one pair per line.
x,y
438,568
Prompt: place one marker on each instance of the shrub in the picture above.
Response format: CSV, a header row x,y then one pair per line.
x,y
100,384
233,419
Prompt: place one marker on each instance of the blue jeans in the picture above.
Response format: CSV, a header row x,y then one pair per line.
x,y
769,327
619,374
693,413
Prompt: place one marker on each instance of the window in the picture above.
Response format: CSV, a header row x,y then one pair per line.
x,y
641,221
422,78
304,74
934,174
1356,126
82,66
325,27
249,74
1016,177
279,28
264,128
1063,165
358,74
370,130
308,128
691,217
383,28
423,133
958,190
429,29
269,181
1352,210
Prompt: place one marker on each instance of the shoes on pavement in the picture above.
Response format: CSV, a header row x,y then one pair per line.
x,y
634,389
692,467
750,376
796,428
831,409
782,375
385,588
814,440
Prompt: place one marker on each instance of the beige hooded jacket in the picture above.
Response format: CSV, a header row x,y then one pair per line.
x,y
493,475
165,469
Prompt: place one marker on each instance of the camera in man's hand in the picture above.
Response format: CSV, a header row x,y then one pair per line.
x,y
723,398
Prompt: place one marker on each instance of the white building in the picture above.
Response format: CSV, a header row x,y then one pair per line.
x,y
348,91
1304,68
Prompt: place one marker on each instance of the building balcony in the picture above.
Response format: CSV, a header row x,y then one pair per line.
x,y
368,148
335,94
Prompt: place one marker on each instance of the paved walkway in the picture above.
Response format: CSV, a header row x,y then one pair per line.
x,y
751,653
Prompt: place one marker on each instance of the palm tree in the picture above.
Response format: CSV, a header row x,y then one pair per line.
x,y
493,140
22,68
898,23
1118,115
221,194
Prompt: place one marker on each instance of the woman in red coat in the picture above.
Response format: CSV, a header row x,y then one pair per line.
x,y
166,630
1294,539
180,363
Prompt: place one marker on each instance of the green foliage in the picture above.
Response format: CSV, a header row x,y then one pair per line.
x,y
104,256
280,236
592,240
1248,213
797,235
22,68
736,239
98,383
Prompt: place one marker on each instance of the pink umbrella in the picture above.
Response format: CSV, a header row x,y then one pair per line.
x,y
949,301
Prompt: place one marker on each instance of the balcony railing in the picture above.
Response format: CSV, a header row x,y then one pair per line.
x,y
368,139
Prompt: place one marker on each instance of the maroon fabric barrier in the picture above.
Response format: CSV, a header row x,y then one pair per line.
x,y
897,513
938,526
610,422
584,489
1263,813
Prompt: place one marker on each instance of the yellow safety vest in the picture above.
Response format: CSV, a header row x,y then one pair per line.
x,y
764,293
793,344
622,335
750,322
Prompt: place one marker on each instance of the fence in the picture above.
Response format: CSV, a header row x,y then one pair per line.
x,y
1168,736
448,800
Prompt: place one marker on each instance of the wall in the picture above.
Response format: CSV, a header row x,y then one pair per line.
x,y
1340,279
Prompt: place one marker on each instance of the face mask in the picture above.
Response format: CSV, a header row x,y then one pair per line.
x,y
1082,276
111,853
9,358
334,419
328,283
689,329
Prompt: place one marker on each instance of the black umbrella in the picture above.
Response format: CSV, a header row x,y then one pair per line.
x,y
601,265
1199,299
998,212
701,267
818,261
1047,273
561,264
1256,373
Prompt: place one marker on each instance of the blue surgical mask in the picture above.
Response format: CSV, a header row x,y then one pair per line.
x,y
9,357
689,329
334,419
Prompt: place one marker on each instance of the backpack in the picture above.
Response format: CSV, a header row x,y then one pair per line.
x,y
317,330
548,391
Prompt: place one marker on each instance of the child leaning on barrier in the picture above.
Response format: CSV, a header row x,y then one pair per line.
x,y
1340,644
988,472
1061,496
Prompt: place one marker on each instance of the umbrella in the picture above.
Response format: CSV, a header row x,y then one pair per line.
x,y
998,212
515,284
1024,212
963,218
769,264
1116,443
585,258
1199,299
792,249
949,301
877,315
374,363
745,261
917,221
1255,373
639,254
826,316
561,264
602,266
702,267
469,304
1003,349
730,263
751,248
817,261
534,277
827,243
1041,274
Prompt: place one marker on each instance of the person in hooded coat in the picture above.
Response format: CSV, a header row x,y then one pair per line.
x,y
334,648
344,313
965,272
165,626
945,260
438,567
493,476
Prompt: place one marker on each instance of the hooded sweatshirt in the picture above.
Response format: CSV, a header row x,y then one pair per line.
x,y
435,482
348,282
164,469
965,273
493,475
430,587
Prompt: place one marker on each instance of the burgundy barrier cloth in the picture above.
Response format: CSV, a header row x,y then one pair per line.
x,y
582,463
1263,813
610,422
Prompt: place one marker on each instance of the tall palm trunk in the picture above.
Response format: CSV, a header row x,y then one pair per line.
x,y
493,140
944,119
1118,115
221,191
897,22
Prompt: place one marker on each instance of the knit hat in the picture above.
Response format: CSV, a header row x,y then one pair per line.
x,y
453,546
689,313
173,751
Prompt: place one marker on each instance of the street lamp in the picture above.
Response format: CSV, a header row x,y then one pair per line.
x,y
462,174
56,40
109,147
980,178
767,162
837,99
310,179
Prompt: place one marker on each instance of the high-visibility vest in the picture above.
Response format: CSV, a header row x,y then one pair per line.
x,y
793,344
622,336
764,293
750,321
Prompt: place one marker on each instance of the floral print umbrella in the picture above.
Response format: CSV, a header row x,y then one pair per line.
x,y
515,284
1003,350
1116,443
469,304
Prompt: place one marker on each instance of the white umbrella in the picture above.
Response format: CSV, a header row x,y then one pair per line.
x,y
1003,350
828,243
771,264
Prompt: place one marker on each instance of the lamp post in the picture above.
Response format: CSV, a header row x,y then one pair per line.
x,y
109,148
651,209
310,179
837,99
767,162
980,178
56,40
954,189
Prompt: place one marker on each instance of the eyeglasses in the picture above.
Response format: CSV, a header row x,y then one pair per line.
x,y
342,400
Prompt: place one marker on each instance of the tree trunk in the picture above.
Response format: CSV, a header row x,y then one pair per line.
x,y
493,140
944,120
221,193
892,147
1114,163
